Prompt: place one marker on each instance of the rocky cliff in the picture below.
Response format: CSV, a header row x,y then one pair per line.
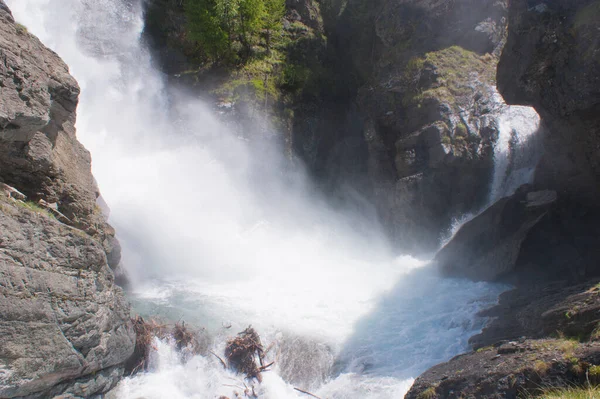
x,y
551,62
392,100
64,324
546,238
430,112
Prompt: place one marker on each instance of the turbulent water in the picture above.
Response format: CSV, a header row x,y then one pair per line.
x,y
219,232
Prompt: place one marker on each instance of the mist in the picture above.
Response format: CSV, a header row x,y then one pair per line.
x,y
221,230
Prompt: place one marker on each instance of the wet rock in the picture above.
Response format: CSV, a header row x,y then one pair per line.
x,y
431,109
488,246
542,310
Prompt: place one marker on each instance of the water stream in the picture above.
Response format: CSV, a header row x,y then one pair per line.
x,y
219,232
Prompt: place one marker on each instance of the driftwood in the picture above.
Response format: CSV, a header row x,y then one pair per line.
x,y
145,331
186,341
221,360
242,353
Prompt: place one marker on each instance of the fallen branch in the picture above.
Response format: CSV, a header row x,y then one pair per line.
x,y
219,357
264,368
306,393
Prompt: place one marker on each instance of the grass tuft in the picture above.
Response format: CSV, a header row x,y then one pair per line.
x,y
21,29
571,393
429,393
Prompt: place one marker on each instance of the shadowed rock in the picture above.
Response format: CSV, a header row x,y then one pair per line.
x,y
488,246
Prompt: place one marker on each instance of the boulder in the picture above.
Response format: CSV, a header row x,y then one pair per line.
x,y
61,315
39,152
488,246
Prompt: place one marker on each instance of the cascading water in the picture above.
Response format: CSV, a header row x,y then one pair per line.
x,y
222,235
517,150
516,153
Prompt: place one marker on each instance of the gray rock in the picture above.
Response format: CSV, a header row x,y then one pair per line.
x,y
551,61
39,152
488,246
430,95
61,315
64,324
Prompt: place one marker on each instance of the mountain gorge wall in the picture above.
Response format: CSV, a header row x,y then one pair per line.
x,y
391,101
64,323
551,62
430,114
545,239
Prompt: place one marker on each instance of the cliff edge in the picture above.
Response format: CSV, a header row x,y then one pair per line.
x,y
64,324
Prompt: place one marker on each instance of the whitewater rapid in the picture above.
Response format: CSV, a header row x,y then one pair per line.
x,y
220,233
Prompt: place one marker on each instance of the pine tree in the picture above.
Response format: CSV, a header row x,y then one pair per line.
x,y
274,12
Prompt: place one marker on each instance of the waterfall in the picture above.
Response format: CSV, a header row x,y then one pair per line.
x,y
517,150
219,231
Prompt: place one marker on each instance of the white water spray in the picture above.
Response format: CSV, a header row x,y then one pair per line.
x,y
516,154
217,234
517,150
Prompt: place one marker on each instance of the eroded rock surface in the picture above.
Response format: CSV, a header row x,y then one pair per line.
x,y
430,112
552,62
509,370
64,324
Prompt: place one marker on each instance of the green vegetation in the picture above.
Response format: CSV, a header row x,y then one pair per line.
x,y
566,346
571,393
247,56
485,348
461,130
32,206
455,67
429,393
21,29
594,371
541,367
227,31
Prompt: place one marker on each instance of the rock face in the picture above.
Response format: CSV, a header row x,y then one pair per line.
x,y
393,100
488,246
411,122
509,370
552,62
543,310
64,324
430,111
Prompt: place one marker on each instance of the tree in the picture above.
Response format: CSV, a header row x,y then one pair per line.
x,y
274,12
206,27
251,18
217,24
